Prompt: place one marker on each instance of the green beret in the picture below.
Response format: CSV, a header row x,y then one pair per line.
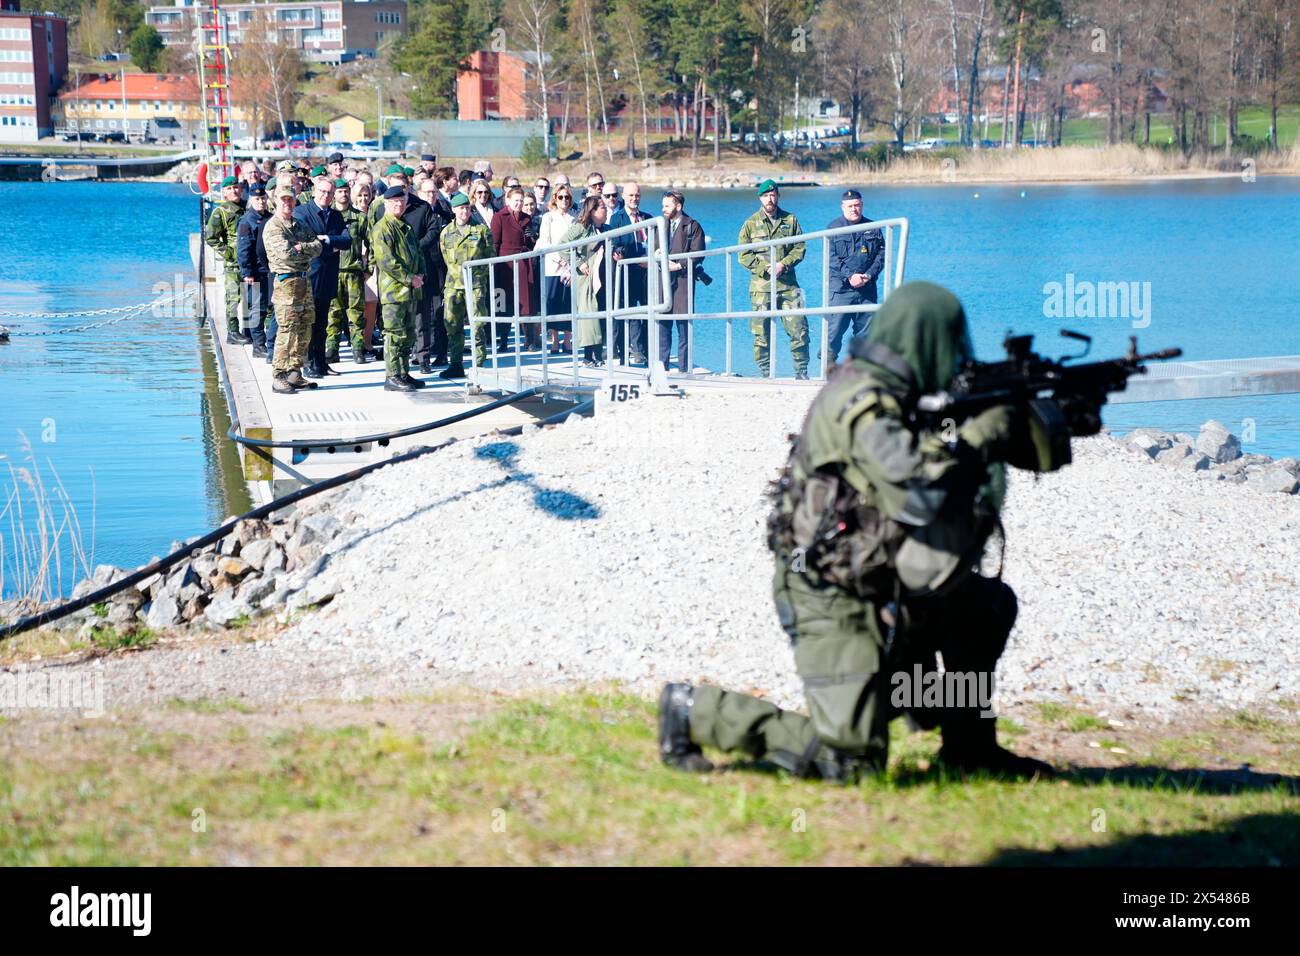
x,y
342,184
766,186
460,199
229,181
395,168
409,171
318,171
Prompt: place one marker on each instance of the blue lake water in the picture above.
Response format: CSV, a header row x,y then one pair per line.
x,y
123,414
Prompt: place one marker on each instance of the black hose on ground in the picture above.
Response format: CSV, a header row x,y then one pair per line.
x,y
383,438
162,564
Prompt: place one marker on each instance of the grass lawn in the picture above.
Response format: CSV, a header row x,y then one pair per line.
x,y
1091,131
468,777
322,99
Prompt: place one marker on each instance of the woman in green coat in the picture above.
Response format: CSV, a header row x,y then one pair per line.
x,y
589,289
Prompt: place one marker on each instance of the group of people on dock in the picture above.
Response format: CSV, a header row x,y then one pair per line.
x,y
314,255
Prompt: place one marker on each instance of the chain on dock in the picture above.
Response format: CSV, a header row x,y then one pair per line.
x,y
120,314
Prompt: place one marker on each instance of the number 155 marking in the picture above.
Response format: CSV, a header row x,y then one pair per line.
x,y
623,393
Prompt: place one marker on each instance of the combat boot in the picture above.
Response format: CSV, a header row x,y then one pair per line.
x,y
394,383
453,371
675,746
280,383
970,746
332,355
295,379
411,380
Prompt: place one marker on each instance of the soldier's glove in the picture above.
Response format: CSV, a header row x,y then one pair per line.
x,y
989,433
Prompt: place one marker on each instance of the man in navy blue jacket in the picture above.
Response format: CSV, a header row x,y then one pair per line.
x,y
632,246
253,269
327,224
856,261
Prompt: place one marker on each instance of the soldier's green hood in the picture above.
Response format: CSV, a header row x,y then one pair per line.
x,y
925,325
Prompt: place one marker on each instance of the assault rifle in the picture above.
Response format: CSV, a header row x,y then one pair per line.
x,y
1024,377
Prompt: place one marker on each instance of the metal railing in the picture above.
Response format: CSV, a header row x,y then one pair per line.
x,y
656,267
657,263
889,278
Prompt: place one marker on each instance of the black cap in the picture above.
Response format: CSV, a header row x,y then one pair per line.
x,y
394,192
257,189
851,194
428,158
334,158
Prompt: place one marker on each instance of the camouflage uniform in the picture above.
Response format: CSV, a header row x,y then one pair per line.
x,y
892,582
459,245
222,234
397,261
349,306
788,294
294,307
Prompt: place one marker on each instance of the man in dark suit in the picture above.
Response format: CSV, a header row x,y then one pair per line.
x,y
427,226
327,224
632,246
684,235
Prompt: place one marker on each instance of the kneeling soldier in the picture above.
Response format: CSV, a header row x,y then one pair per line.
x,y
878,525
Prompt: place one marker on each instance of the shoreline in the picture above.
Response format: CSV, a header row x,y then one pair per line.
x,y
301,585
843,179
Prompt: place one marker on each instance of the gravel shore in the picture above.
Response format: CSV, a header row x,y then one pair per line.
x,y
630,547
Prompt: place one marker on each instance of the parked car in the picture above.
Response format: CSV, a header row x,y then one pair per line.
x,y
366,146
300,142
923,145
341,146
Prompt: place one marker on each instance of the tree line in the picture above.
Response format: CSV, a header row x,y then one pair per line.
x,y
611,68
762,66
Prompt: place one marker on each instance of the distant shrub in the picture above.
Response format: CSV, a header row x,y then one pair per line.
x,y
875,157
342,84
533,152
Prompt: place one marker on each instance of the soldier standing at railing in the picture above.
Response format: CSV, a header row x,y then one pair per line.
x,y
222,234
348,310
773,222
290,248
399,270
856,260
462,241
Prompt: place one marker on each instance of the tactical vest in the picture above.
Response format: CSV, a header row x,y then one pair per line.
x,y
824,518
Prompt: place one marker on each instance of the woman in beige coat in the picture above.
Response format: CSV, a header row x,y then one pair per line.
x,y
589,283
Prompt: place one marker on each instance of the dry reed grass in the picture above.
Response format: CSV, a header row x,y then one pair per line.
x,y
41,537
